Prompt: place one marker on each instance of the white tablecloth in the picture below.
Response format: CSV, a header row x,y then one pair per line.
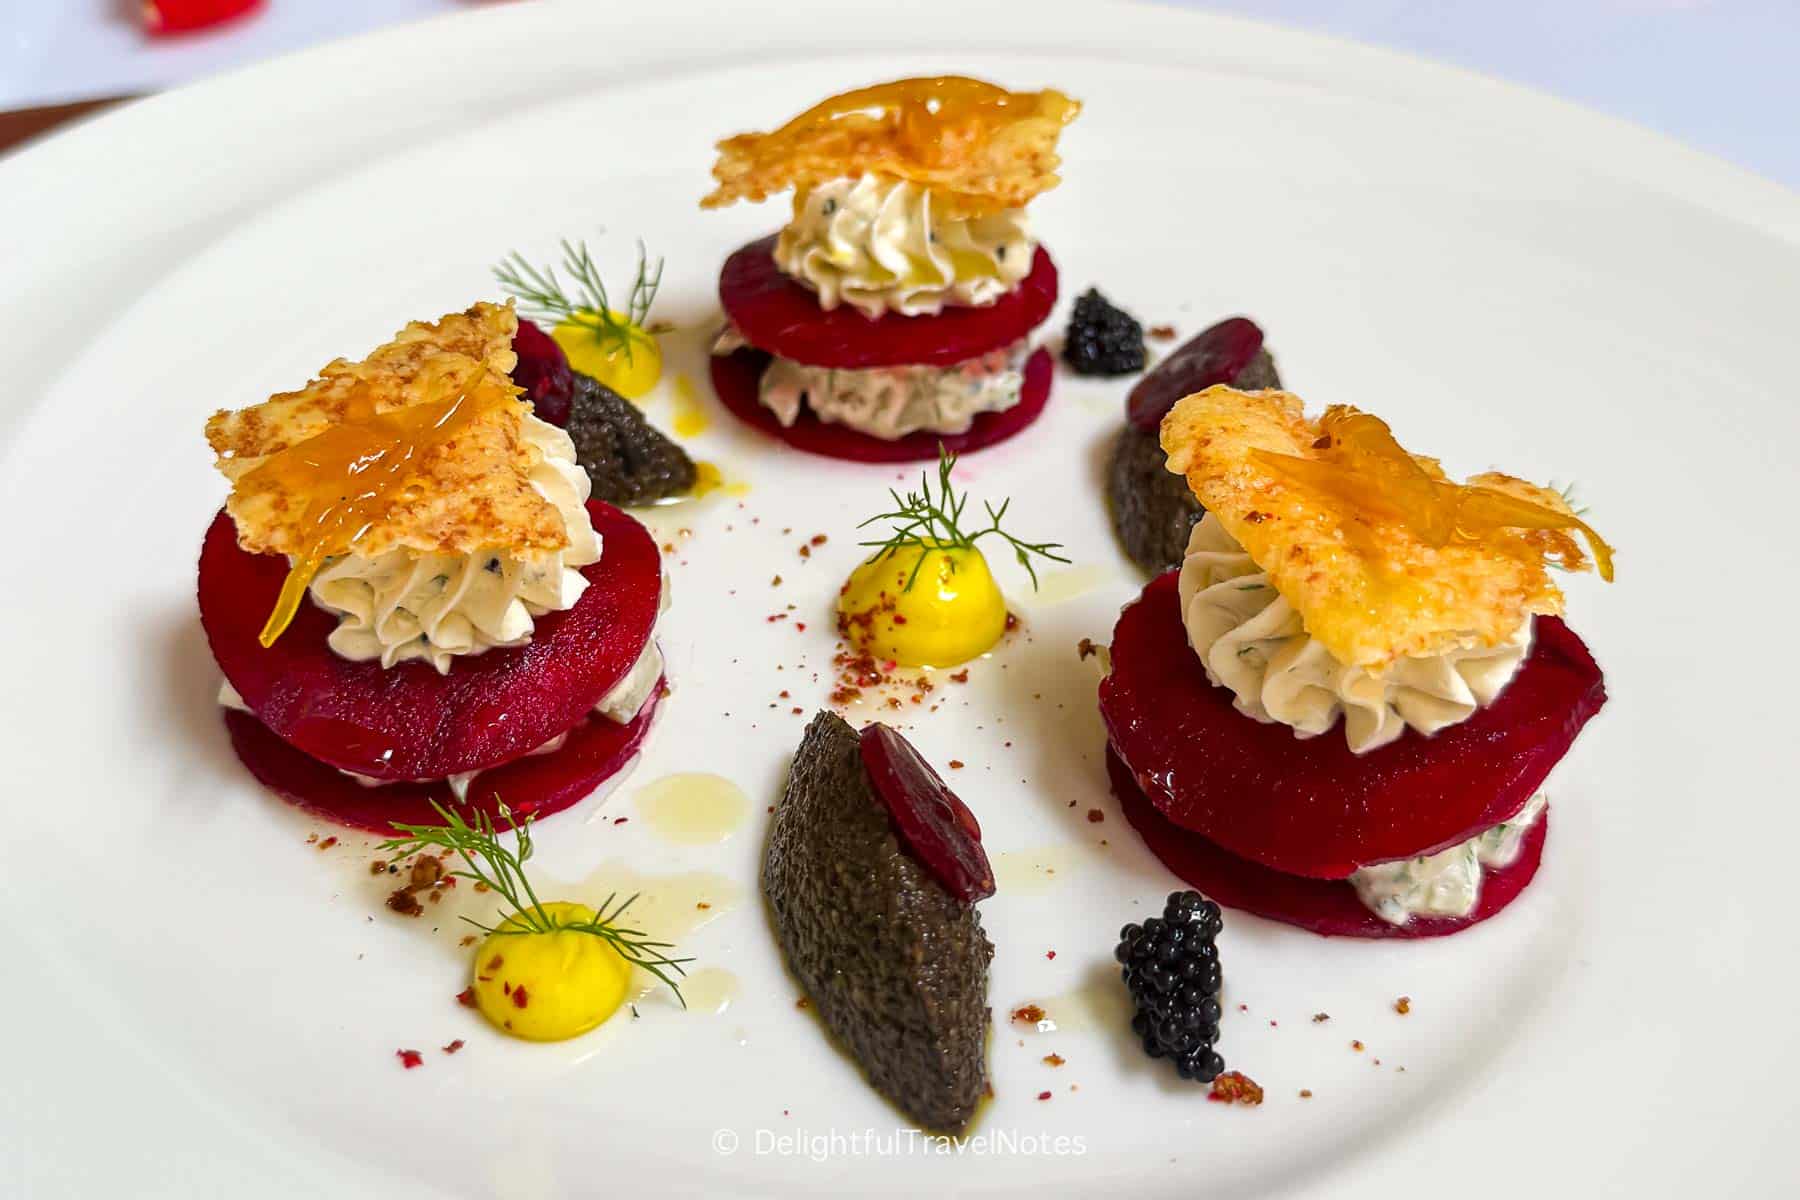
x,y
1722,75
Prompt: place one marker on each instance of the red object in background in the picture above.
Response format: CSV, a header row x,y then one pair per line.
x,y
181,16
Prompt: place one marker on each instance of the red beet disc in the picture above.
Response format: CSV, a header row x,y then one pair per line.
x,y
736,376
932,821
1328,907
1311,807
535,786
409,722
1214,355
543,371
782,317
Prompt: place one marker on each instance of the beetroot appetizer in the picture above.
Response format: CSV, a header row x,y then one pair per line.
x,y
413,599
1337,578
872,873
893,312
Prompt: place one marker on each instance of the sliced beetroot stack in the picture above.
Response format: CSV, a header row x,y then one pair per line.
x,y
535,786
778,316
1256,811
408,721
1329,907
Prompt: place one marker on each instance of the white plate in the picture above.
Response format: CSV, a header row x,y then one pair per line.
x,y
196,1002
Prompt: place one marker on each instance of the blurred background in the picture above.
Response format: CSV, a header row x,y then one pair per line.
x,y
1721,75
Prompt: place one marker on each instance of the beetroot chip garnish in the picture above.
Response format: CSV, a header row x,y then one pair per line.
x,y
1311,807
1215,355
543,371
736,376
536,785
780,316
408,721
934,825
1329,907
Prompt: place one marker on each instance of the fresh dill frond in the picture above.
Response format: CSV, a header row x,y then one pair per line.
x,y
542,295
932,519
487,861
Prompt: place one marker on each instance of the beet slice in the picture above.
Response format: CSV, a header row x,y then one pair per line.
x,y
736,376
543,371
1328,907
410,722
780,316
535,786
933,823
1311,807
1217,354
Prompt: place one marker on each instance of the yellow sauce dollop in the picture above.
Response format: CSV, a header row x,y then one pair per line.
x,y
629,366
547,987
952,613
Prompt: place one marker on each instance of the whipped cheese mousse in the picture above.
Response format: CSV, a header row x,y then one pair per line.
x,y
412,595
894,309
1340,710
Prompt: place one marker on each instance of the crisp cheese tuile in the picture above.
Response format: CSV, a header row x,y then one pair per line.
x,y
470,493
1369,590
977,147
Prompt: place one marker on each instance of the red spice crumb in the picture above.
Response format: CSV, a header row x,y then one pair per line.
x,y
409,1058
377,867
775,582
783,694
494,963
961,676
1273,1025
1162,333
1053,1060
1012,622
1357,1046
702,905
803,1002
519,998
1235,1087
1028,1014
819,539
1378,1062
800,626
956,764
311,838
1050,954
1306,1093
797,711
405,903
466,997
806,552
620,820
1403,1005
1086,648
1243,1008
467,941
1095,816
480,887
1321,1018
899,619
453,1047
774,617
1043,1095
328,843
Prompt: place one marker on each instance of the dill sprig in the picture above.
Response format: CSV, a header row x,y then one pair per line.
x,y
934,521
543,297
487,861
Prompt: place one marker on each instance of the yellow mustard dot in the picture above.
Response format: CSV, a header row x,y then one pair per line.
x,y
952,612
629,366
546,987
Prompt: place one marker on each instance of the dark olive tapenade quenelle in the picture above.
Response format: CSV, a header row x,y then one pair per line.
x,y
889,949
